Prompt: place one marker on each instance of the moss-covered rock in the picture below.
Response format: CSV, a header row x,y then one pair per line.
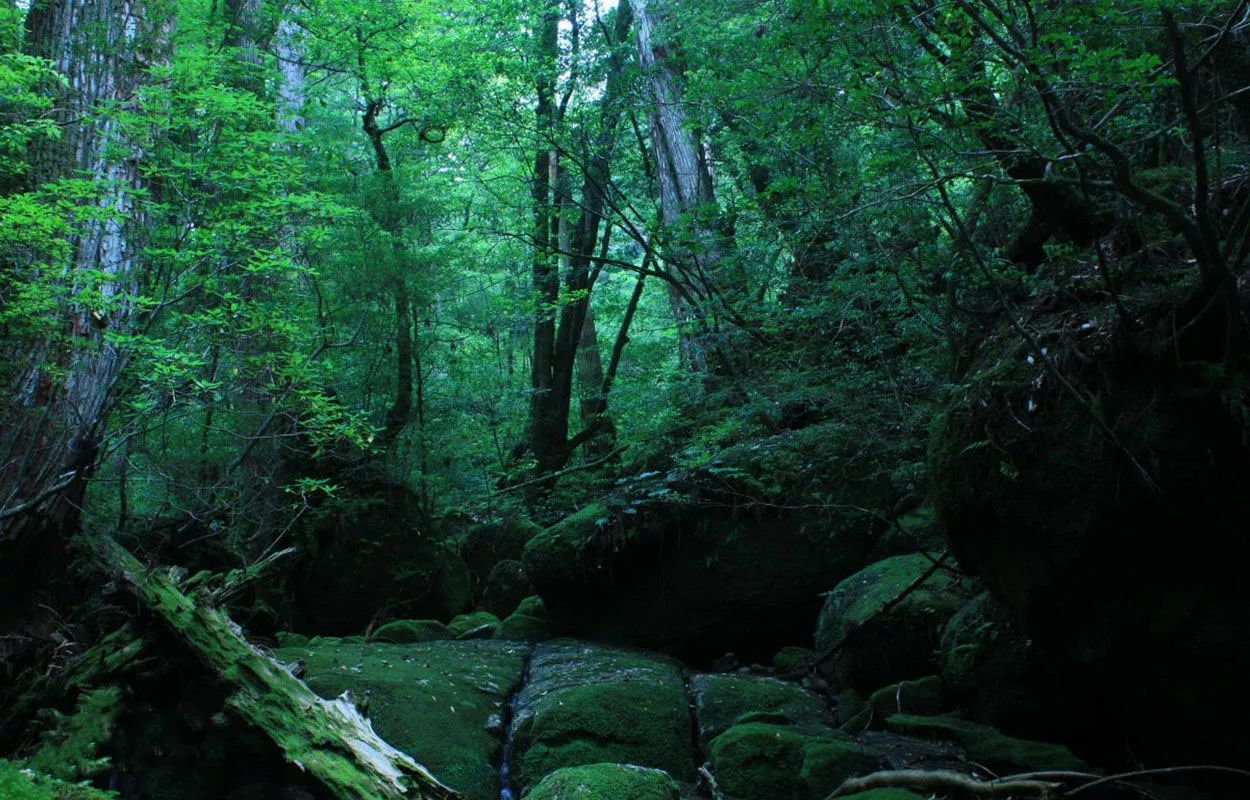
x,y
792,659
527,624
412,631
898,644
486,544
988,746
478,625
505,587
922,696
755,760
433,700
605,782
989,666
19,782
723,700
586,704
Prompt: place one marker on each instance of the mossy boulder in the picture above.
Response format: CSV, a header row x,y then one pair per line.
x,y
756,760
505,587
527,624
485,544
1117,555
19,782
988,746
411,631
723,700
922,696
587,704
376,550
673,576
605,782
990,667
433,700
875,644
792,658
478,625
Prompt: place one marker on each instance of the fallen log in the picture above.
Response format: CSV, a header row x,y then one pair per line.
x,y
329,739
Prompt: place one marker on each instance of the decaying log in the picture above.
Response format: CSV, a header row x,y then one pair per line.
x,y
329,739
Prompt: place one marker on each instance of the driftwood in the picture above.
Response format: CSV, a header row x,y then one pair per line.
x,y
945,781
329,739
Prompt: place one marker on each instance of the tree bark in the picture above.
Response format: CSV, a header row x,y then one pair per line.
x,y
697,242
54,418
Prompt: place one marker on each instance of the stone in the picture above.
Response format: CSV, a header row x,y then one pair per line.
x,y
605,782
527,624
433,700
898,644
922,696
411,631
587,704
723,700
757,760
478,625
505,587
988,746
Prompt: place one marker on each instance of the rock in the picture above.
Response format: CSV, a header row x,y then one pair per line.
x,y
792,659
484,545
433,700
605,782
383,554
723,700
1125,588
988,746
757,760
587,704
411,631
915,532
478,625
989,667
527,624
851,705
288,639
895,645
923,696
506,586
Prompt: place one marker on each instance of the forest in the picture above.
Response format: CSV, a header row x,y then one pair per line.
x,y
624,399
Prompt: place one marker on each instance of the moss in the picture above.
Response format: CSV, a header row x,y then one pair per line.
x,y
605,782
433,700
586,704
722,700
757,759
412,631
288,639
70,747
792,659
478,625
557,553
523,628
988,746
18,782
923,696
894,645
532,606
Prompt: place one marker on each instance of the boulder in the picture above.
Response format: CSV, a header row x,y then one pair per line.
x,y
485,544
875,644
991,669
408,631
587,704
923,696
506,586
478,625
988,746
605,782
433,700
527,624
792,659
780,762
722,700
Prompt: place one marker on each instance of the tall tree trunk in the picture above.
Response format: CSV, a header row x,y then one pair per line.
x,y
55,417
292,88
696,246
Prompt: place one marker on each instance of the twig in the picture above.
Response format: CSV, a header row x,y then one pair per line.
x,y
549,476
1146,773
59,486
